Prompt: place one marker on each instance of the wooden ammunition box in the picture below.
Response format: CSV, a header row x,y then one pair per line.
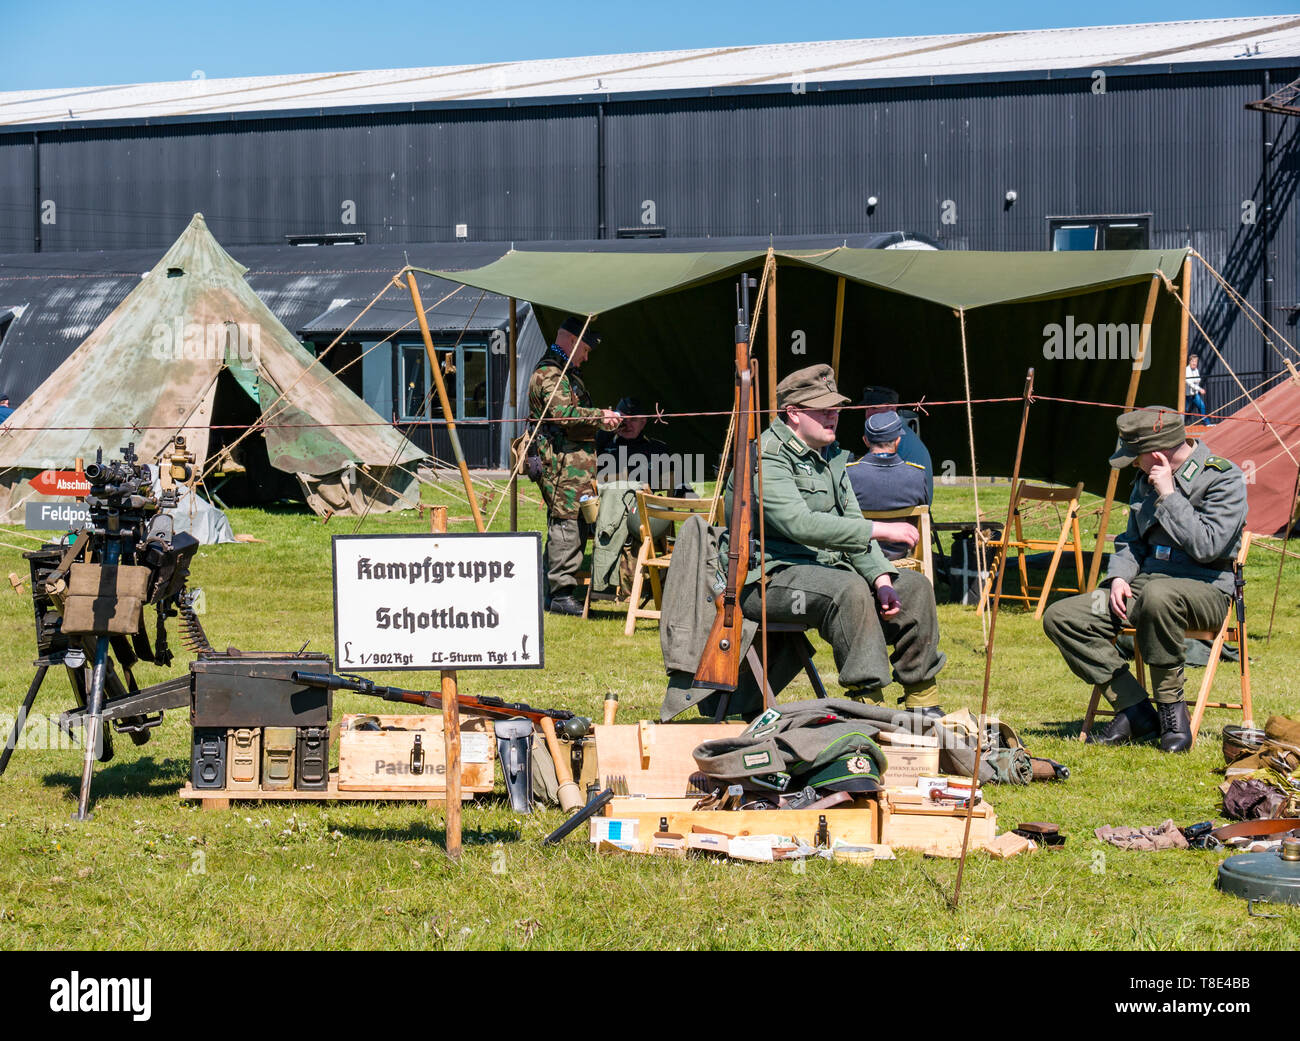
x,y
858,824
908,823
655,759
244,754
391,761
278,746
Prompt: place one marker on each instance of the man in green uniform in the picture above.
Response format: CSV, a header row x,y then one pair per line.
x,y
824,566
1171,571
566,439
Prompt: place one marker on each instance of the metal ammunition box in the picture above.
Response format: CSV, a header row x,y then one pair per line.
x,y
208,758
244,754
278,744
313,766
257,690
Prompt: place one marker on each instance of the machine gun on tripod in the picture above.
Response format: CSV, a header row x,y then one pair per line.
x,y
89,599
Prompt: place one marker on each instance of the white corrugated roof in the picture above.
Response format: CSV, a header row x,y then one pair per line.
x,y
1161,43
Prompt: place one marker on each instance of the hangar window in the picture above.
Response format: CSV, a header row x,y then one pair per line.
x,y
465,370
1114,232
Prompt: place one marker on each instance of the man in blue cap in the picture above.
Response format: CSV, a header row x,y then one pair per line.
x,y
910,446
882,479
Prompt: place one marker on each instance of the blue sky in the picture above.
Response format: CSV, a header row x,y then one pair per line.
x,y
75,43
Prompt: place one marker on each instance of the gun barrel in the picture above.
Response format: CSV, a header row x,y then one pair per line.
x,y
329,682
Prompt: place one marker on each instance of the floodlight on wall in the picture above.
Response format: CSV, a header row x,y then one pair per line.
x,y
872,201
1009,199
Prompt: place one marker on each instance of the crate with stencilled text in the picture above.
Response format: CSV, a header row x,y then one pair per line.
x,y
908,756
408,754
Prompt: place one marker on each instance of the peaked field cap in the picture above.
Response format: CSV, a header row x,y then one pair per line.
x,y
1151,429
879,396
573,325
813,387
882,427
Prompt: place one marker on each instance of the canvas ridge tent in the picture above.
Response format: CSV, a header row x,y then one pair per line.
x,y
192,350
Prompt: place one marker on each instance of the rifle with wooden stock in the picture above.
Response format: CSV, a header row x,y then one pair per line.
x,y
572,725
719,667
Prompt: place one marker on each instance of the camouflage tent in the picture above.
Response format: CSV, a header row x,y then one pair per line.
x,y
192,350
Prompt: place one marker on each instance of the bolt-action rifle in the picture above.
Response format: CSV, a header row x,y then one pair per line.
x,y
719,667
492,708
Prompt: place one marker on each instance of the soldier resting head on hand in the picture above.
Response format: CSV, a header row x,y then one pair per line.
x,y
1171,571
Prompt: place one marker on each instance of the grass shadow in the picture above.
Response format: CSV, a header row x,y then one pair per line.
x,y
145,777
419,830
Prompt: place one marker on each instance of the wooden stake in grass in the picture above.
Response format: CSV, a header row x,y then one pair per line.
x,y
993,627
451,725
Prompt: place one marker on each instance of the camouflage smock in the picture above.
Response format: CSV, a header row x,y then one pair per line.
x,y
567,449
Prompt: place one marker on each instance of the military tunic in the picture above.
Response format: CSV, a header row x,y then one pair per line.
x,y
1177,555
821,563
568,454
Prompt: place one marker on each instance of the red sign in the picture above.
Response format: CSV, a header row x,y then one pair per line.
x,y
60,482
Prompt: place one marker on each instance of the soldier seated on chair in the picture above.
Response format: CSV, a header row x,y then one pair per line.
x,y
628,454
823,564
884,480
1171,571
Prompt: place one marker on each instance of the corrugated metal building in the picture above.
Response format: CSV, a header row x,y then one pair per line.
x,y
1121,135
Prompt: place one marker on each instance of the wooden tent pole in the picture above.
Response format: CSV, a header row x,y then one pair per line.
x,y
1028,399
514,412
1185,292
447,414
1139,363
771,334
839,328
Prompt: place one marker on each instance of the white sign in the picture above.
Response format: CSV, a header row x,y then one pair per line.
x,y
465,601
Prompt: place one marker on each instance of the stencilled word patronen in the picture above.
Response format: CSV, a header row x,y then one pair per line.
x,y
1088,341
206,341
93,994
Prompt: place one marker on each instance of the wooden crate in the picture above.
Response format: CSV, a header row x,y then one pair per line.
x,y
655,758
907,823
379,760
858,824
909,756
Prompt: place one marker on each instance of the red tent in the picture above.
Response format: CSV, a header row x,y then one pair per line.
x,y
1270,472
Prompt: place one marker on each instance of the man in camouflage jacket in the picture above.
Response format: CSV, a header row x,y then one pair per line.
x,y
566,443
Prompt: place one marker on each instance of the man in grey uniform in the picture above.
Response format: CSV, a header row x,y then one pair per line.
x,y
1171,571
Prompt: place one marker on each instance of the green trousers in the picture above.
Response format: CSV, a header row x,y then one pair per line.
x,y
841,606
1161,610
565,539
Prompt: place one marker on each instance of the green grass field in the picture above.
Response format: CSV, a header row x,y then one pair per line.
x,y
152,872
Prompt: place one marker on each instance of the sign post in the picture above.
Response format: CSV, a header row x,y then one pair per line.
x,y
441,601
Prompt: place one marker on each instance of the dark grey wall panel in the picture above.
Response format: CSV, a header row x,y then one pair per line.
x,y
17,194
505,173
939,158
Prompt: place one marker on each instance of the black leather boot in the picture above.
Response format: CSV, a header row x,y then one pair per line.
x,y
1132,725
1175,727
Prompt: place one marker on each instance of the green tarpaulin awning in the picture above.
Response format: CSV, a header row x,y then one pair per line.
x,y
667,322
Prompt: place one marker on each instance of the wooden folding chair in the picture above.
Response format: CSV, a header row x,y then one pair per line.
x,y
653,559
921,556
1069,538
1230,630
